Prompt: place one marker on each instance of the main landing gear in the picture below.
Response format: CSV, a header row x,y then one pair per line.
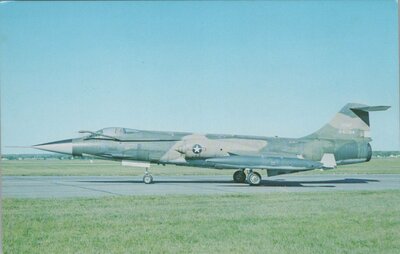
x,y
239,176
147,178
252,178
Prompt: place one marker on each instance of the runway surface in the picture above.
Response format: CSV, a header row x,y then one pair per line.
x,y
96,186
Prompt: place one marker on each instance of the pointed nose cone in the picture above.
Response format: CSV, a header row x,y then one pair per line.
x,y
62,146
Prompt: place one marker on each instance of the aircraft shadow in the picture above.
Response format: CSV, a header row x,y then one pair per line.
x,y
158,181
311,184
265,183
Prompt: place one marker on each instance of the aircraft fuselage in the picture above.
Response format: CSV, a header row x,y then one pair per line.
x,y
344,140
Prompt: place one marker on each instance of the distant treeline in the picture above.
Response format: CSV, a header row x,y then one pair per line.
x,y
40,157
48,156
386,153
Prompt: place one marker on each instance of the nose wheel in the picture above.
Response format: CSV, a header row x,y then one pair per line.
x,y
147,178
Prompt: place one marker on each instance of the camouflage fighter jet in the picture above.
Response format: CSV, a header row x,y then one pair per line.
x,y
344,140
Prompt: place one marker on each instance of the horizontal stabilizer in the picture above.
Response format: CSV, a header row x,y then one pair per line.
x,y
371,108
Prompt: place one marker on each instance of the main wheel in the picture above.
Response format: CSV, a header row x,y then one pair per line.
x,y
239,177
254,178
147,179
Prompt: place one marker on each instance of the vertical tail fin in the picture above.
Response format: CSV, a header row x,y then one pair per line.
x,y
352,121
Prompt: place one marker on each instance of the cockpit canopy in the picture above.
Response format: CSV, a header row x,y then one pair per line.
x,y
125,134
115,131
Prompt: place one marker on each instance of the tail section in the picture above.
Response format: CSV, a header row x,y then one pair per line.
x,y
351,122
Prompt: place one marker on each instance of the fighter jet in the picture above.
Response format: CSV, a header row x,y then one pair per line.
x,y
344,140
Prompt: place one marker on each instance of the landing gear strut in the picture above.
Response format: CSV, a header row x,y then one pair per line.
x,y
147,178
239,176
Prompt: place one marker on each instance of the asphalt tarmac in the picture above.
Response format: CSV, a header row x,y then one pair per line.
x,y
97,186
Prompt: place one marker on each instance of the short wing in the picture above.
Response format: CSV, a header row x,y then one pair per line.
x,y
264,162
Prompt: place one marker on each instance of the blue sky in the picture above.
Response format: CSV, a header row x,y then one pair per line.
x,y
263,68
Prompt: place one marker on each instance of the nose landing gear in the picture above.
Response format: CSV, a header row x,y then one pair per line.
x,y
147,178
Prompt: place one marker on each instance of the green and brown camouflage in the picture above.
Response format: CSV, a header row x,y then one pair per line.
x,y
344,140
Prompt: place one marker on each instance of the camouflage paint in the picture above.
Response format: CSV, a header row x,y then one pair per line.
x,y
346,136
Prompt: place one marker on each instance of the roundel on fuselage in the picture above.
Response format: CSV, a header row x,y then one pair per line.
x,y
197,149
